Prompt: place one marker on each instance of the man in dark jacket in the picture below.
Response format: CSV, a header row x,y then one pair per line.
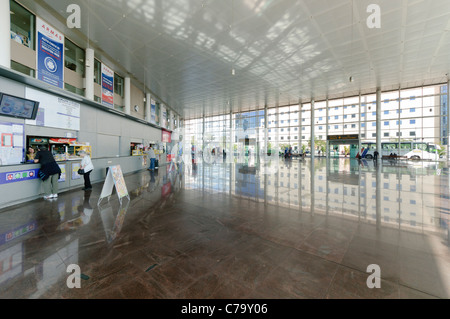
x,y
49,172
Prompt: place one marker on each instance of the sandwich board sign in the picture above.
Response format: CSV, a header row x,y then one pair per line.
x,y
114,178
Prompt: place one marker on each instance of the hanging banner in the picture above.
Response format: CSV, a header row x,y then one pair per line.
x,y
163,121
107,86
50,54
152,112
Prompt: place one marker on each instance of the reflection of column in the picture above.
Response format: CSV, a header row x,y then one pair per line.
x,y
399,181
378,195
90,61
378,121
300,185
313,120
359,124
328,164
313,200
5,34
359,184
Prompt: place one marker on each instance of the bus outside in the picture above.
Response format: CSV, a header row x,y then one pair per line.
x,y
412,150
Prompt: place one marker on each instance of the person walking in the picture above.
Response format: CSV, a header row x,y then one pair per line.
x,y
88,167
375,155
152,156
49,173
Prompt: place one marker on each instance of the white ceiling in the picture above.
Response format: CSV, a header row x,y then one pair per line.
x,y
282,51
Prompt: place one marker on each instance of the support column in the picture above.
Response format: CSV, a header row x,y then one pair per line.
x,y
313,120
300,126
378,122
5,34
230,156
127,95
89,80
327,131
379,182
399,122
148,111
448,123
266,131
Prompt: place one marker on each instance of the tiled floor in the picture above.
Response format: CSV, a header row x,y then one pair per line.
x,y
224,231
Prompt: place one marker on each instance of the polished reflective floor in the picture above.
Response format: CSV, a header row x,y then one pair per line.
x,y
306,229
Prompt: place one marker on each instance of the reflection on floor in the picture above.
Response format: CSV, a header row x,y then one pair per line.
x,y
308,230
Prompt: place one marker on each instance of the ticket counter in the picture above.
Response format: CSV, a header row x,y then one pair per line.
x,y
21,182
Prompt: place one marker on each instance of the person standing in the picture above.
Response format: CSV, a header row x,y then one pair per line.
x,y
49,173
31,154
375,155
152,156
86,164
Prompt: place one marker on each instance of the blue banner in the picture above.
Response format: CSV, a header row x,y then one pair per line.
x,y
50,54
153,112
107,86
20,176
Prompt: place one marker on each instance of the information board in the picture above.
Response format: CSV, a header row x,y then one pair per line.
x,y
12,140
54,111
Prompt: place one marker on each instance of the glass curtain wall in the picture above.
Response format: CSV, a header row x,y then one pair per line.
x,y
408,115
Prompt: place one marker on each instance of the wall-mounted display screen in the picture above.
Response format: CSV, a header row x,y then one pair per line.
x,y
18,107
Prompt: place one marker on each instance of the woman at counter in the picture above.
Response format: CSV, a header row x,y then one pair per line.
x,y
49,172
87,165
31,155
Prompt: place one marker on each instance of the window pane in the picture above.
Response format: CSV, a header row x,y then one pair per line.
x,y
74,57
22,25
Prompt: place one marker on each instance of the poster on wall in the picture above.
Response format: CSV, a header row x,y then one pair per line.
x,y
107,86
166,136
12,141
75,168
50,54
163,116
54,111
62,178
152,112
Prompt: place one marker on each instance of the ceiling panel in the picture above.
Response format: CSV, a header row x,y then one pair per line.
x,y
281,50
